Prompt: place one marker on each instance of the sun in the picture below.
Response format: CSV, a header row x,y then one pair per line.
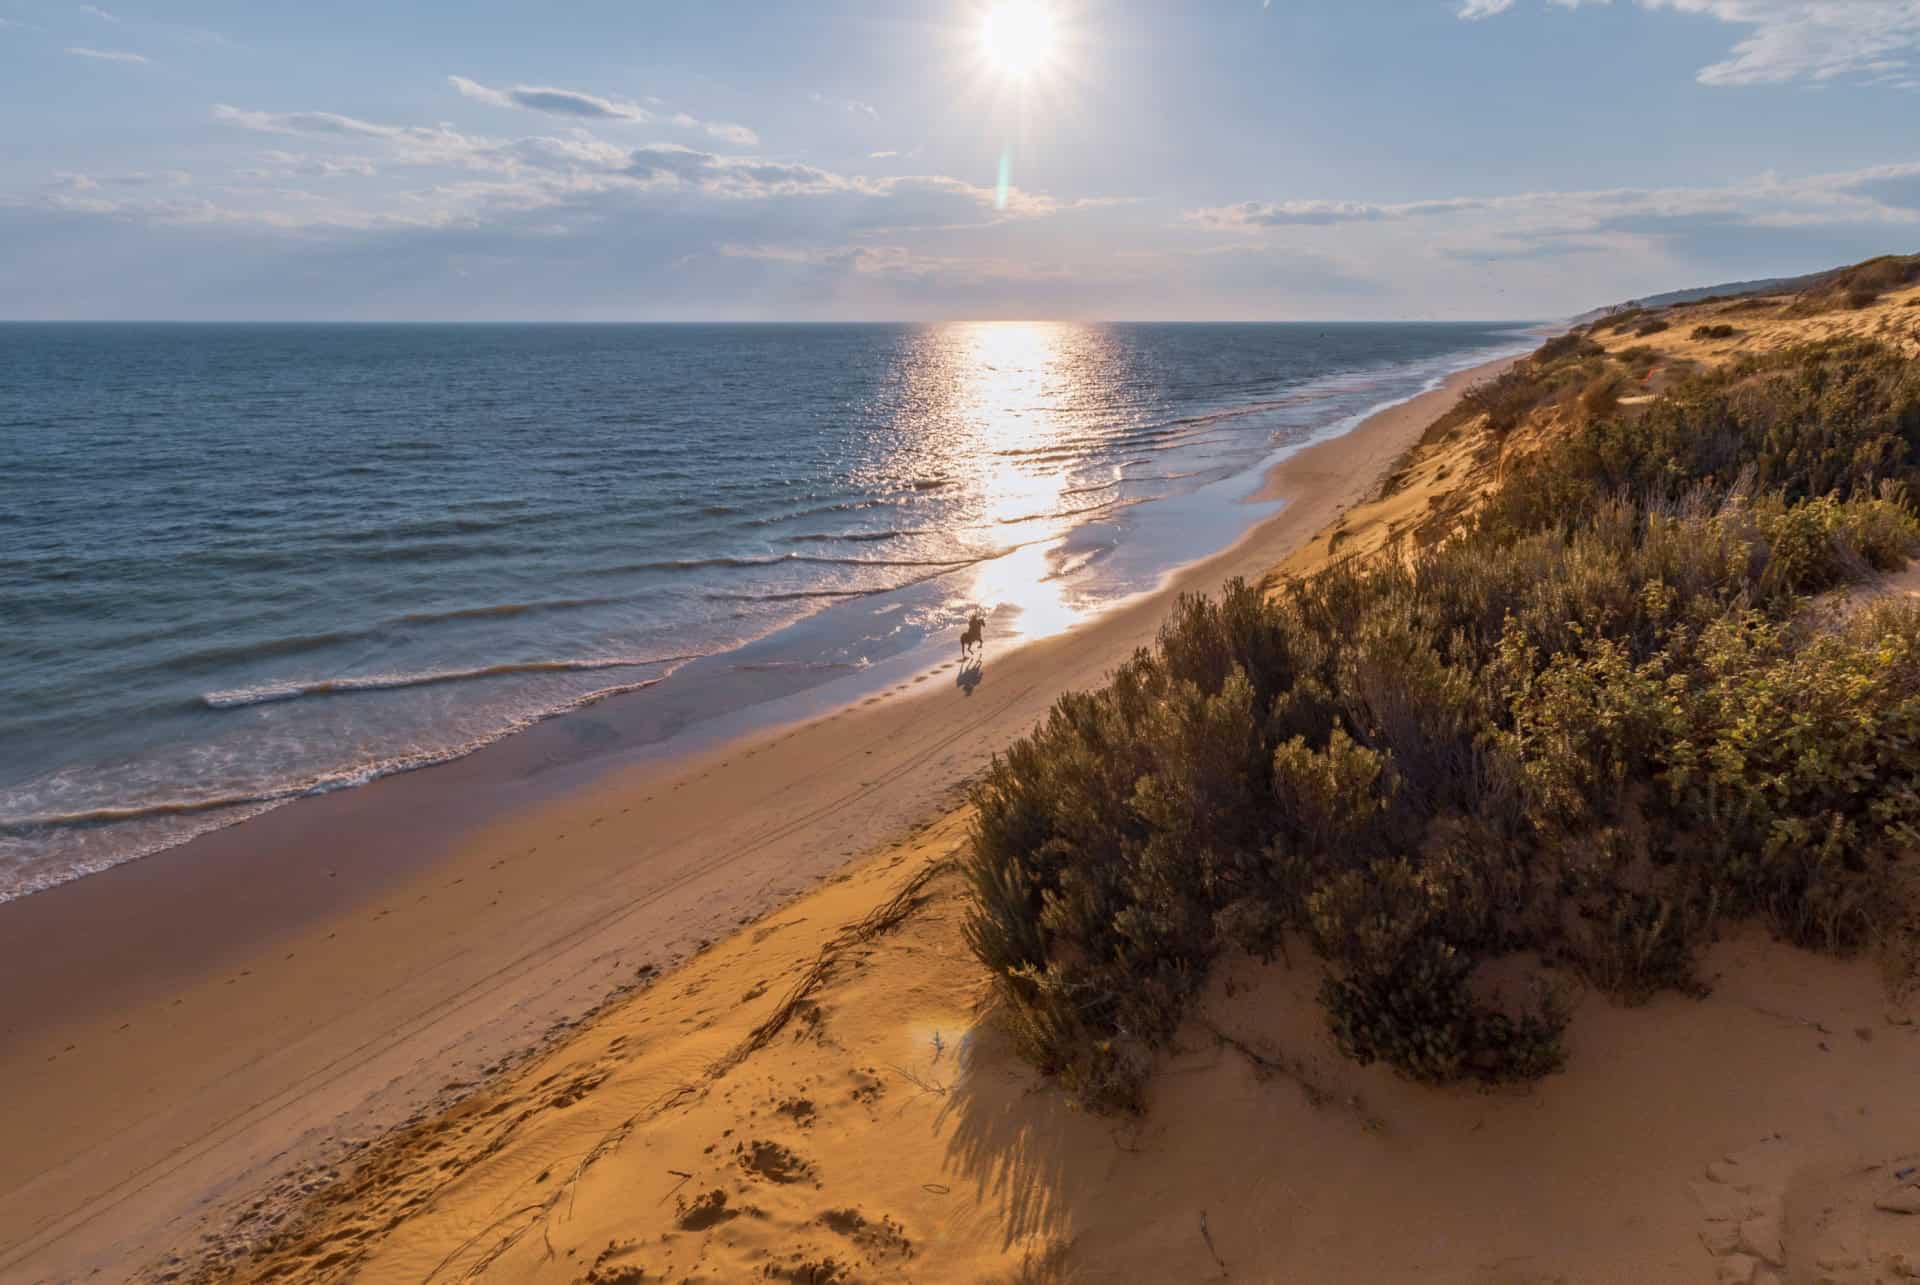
x,y
1019,37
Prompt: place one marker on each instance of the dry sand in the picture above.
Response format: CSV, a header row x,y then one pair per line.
x,y
820,1099
178,1029
1768,323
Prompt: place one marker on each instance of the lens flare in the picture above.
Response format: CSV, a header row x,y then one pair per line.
x,y
1019,37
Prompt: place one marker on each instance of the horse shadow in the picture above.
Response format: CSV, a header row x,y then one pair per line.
x,y
971,672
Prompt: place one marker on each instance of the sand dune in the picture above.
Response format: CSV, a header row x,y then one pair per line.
x,y
822,1098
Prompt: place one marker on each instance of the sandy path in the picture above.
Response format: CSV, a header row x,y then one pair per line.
x,y
180,1027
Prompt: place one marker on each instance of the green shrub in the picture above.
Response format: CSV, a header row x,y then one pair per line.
x,y
1590,728
1794,779
1721,331
1636,944
1653,327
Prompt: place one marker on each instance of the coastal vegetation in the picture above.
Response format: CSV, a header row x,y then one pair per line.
x,y
1860,286
1602,721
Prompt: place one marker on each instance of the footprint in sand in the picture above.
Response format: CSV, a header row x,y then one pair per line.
x,y
703,1212
882,1239
773,1162
1775,1212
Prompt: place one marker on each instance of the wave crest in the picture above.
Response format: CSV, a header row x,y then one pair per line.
x,y
241,697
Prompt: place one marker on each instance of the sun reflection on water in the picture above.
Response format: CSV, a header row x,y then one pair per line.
x,y
1013,376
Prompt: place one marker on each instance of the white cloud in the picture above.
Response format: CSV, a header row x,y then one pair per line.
x,y
738,135
1793,40
97,12
574,104
105,55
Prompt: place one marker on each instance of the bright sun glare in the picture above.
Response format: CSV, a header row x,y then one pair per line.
x,y
1019,37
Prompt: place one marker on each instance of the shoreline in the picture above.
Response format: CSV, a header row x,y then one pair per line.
x,y
721,694
415,934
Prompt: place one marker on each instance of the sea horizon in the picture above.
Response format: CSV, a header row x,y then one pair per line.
x,y
777,322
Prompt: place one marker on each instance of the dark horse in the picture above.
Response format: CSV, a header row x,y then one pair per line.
x,y
975,639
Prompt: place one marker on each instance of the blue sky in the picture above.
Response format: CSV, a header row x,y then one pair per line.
x,y
843,159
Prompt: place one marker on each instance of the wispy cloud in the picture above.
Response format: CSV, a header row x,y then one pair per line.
x,y
303,123
852,106
1866,205
282,164
898,263
105,55
555,102
1252,215
96,11
89,182
578,105
543,171
1791,40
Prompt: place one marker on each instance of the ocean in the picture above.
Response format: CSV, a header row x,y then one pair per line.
x,y
244,563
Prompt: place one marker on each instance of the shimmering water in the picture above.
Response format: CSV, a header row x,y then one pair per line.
x,y
243,563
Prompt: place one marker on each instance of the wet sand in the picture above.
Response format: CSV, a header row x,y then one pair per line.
x,y
175,1030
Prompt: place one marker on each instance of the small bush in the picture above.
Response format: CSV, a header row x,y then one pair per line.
x,y
1571,344
1653,327
1505,399
1720,331
1601,397
1638,944
1420,1018
1626,318
1638,358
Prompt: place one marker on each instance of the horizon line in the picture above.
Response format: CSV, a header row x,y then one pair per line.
x,y
873,321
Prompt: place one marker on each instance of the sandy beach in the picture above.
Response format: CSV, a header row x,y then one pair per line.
x,y
1001,642
181,1028
820,1099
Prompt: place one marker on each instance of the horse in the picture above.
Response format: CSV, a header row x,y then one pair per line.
x,y
975,639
